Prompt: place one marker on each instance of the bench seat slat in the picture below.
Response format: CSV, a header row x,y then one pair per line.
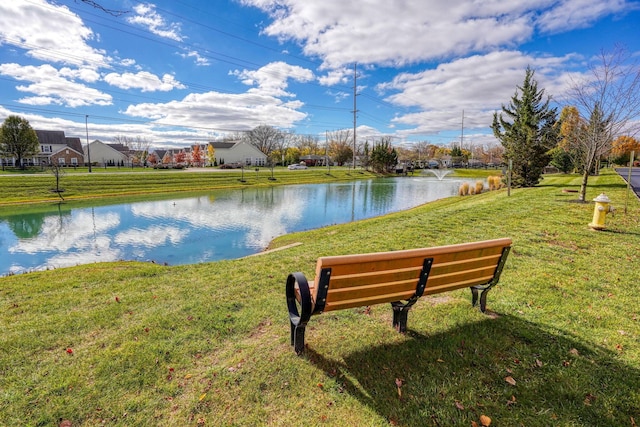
x,y
450,286
359,302
455,276
355,280
388,288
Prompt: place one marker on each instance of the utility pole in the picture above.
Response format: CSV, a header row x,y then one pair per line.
x,y
462,131
355,110
86,126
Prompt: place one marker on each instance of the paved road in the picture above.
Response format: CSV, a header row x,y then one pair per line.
x,y
635,178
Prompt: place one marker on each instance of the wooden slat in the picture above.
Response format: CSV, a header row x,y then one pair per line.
x,y
350,280
456,276
453,285
368,301
366,291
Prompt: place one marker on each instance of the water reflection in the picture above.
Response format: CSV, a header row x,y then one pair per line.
x,y
218,225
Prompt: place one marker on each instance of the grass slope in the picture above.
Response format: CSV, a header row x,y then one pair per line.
x,y
136,344
18,188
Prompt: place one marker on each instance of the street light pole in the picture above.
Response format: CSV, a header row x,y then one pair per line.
x,y
86,126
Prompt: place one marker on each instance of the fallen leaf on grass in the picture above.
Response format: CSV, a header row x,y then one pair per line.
x,y
633,422
69,351
510,380
574,351
538,363
202,396
511,401
589,399
485,421
459,406
399,385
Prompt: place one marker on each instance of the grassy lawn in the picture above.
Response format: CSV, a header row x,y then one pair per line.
x,y
137,344
35,186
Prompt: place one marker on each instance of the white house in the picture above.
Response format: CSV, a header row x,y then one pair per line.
x,y
238,152
105,154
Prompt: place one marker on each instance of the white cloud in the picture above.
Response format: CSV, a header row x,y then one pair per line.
x,y
49,32
146,16
235,112
227,112
273,78
478,84
399,33
200,60
570,14
52,86
143,80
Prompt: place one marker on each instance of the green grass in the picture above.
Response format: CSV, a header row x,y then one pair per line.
x,y
16,188
208,344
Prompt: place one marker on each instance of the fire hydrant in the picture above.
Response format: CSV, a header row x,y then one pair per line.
x,y
600,211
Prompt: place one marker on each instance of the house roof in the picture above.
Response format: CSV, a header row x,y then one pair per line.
x,y
56,137
51,137
119,147
75,143
160,153
222,144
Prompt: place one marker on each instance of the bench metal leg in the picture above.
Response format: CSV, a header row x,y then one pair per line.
x,y
297,337
400,314
483,297
298,317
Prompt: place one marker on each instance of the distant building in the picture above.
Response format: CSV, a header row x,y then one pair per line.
x,y
54,147
238,152
57,148
107,154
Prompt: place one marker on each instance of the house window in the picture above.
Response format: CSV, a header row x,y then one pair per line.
x,y
61,161
247,161
260,162
45,148
74,161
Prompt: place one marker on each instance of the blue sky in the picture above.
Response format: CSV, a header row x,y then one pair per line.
x,y
183,71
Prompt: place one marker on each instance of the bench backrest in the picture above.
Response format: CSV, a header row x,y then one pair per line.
x,y
368,279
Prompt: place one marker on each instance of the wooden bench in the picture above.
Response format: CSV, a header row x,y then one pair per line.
x,y
398,277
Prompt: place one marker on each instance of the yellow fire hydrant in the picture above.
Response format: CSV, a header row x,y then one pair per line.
x,y
600,211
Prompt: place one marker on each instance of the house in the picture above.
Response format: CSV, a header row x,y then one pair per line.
x,y
55,147
238,152
102,154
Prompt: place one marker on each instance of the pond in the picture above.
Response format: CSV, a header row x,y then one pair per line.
x,y
224,224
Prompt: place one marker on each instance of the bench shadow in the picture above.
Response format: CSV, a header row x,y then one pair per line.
x,y
453,377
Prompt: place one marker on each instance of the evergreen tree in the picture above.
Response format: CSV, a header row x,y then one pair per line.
x,y
528,134
18,139
383,156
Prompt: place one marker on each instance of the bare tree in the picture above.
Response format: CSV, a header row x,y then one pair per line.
x,y
309,145
608,99
138,147
264,138
58,172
